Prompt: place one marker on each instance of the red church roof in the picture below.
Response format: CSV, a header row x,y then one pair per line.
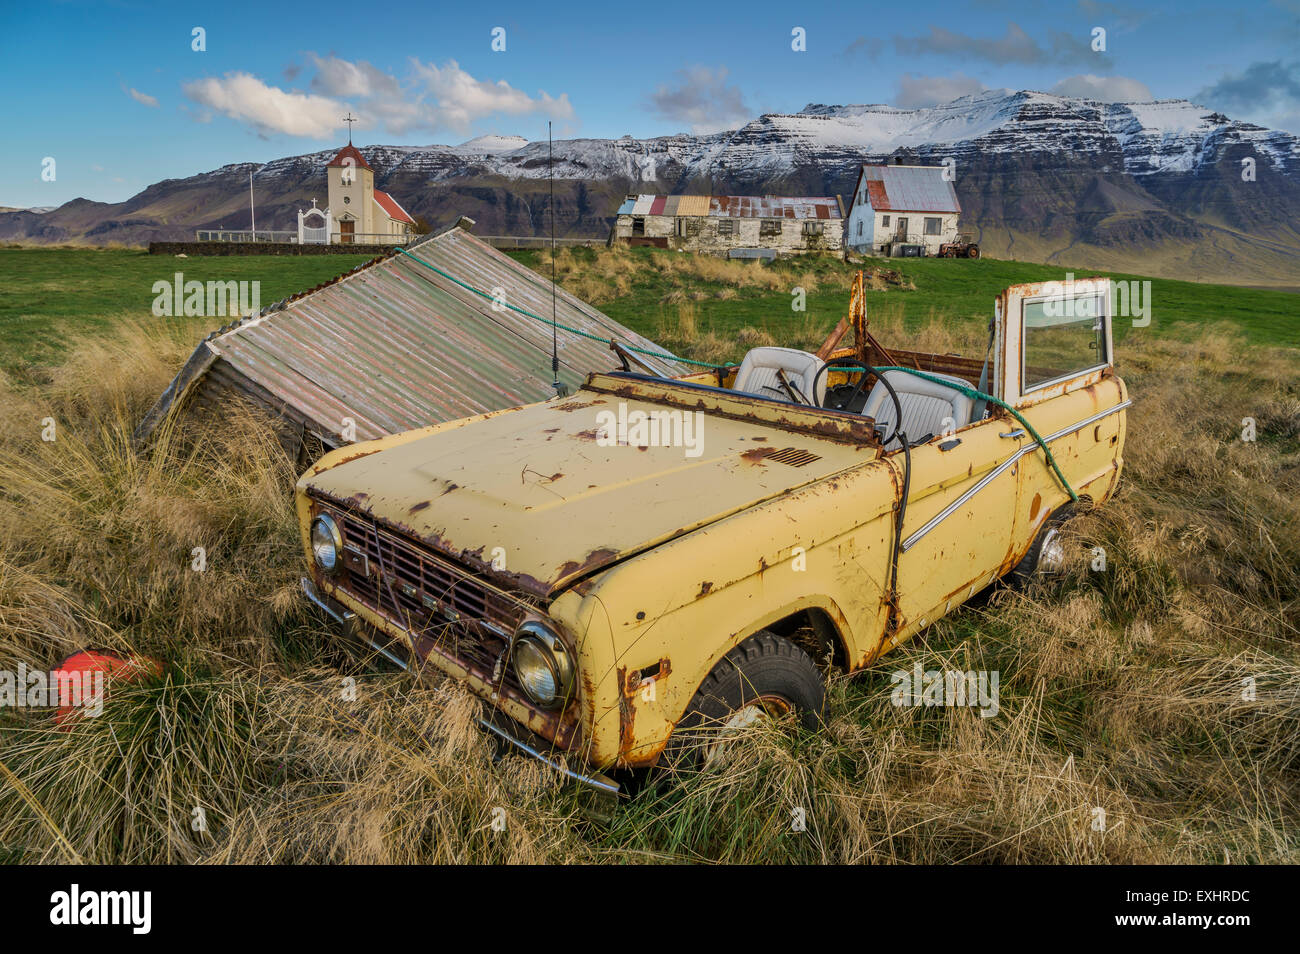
x,y
350,152
391,206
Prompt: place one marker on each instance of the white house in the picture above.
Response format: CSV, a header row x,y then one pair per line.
x,y
357,211
893,206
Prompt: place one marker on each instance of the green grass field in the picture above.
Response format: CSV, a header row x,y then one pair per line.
x,y
49,298
952,290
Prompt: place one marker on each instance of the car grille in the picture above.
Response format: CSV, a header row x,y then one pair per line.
x,y
440,603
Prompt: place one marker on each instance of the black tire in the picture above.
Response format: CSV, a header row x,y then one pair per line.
x,y
765,669
973,252
1028,570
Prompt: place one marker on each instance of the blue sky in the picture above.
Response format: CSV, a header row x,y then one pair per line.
x,y
116,95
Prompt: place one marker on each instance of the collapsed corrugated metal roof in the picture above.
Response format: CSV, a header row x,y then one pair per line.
x,y
394,345
908,189
739,206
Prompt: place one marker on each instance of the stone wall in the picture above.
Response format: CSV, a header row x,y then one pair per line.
x,y
263,248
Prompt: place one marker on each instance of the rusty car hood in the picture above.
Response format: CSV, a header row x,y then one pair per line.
x,y
536,482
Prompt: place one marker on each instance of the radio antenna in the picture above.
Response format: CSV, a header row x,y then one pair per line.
x,y
560,388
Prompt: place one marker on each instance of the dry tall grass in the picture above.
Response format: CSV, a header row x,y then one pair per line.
x,y
1121,691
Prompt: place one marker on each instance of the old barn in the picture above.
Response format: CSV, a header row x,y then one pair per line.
x,y
725,224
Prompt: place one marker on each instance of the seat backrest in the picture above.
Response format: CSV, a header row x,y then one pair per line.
x,y
757,374
925,404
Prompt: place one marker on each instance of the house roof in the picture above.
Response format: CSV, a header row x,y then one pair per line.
x,y
907,189
734,206
394,345
392,207
349,152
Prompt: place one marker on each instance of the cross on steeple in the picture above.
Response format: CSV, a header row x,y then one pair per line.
x,y
350,119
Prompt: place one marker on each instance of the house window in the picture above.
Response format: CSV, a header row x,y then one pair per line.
x,y
769,228
884,221
726,227
859,228
932,226
813,228
638,226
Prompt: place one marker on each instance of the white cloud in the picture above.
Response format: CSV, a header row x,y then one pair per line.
x,y
268,109
914,91
1106,89
145,98
460,98
431,98
702,99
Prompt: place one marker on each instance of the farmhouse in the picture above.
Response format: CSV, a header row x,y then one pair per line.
x,y
731,224
357,211
898,210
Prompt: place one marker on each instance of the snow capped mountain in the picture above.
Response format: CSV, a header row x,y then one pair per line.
x,y
1145,138
1039,176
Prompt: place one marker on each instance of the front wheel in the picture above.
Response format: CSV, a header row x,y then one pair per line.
x,y
765,676
1046,555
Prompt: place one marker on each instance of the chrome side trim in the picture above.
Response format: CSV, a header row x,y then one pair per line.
x,y
1029,448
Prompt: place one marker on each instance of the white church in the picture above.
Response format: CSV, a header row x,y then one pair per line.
x,y
357,213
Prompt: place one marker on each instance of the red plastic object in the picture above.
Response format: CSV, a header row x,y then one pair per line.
x,y
87,663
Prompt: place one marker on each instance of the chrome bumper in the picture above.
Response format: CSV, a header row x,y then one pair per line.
x,y
342,615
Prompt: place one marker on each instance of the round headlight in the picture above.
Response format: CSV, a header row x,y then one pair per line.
x,y
542,664
326,542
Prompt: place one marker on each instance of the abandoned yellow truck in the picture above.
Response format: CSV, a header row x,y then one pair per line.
x,y
614,571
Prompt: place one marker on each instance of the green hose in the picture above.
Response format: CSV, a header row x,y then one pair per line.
x,y
978,395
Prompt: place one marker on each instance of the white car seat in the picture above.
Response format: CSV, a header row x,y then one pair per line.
x,y
757,374
925,404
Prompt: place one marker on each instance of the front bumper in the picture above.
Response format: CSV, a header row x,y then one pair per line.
x,y
511,734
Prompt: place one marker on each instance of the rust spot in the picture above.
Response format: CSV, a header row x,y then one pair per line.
x,y
758,438
705,587
450,488
1034,507
416,508
594,559
757,454
577,406
589,435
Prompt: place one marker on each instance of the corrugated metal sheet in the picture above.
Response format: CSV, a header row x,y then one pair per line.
x,y
628,205
394,345
738,206
911,189
693,205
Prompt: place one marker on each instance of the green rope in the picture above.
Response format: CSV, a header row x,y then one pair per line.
x,y
970,392
547,321
978,395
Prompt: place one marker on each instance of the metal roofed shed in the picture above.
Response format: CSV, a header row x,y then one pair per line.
x,y
394,345
724,224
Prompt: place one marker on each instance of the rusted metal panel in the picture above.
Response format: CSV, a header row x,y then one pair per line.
x,y
657,206
395,345
910,189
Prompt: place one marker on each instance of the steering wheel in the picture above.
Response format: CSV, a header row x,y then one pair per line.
x,y
898,405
